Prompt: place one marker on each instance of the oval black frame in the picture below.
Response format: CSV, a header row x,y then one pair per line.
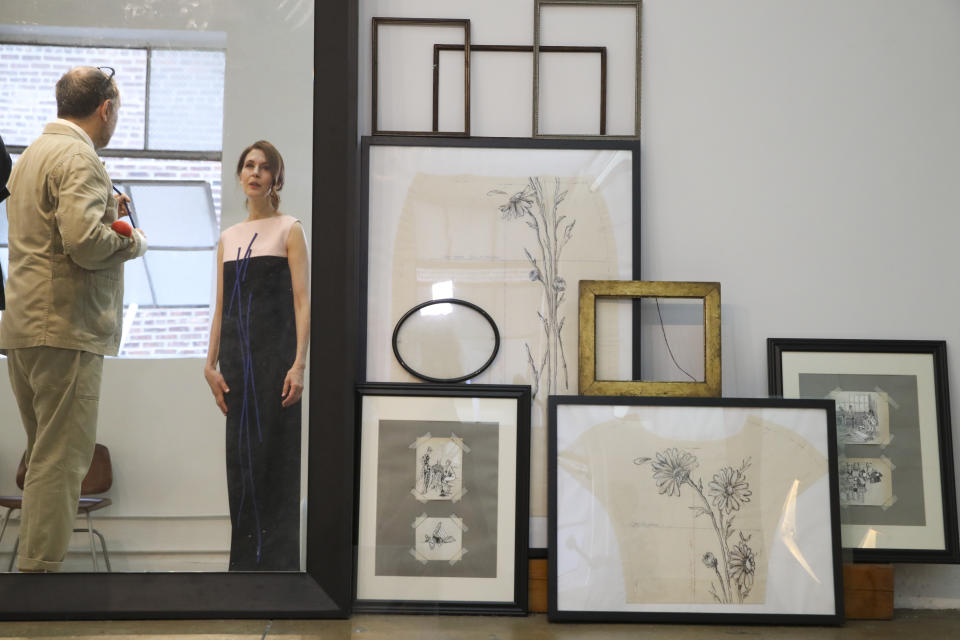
x,y
486,316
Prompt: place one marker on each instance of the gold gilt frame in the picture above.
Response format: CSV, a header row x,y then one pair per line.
x,y
590,290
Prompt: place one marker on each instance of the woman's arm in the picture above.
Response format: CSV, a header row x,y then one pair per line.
x,y
214,378
299,263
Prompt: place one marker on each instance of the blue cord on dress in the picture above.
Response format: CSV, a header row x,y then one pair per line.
x,y
249,390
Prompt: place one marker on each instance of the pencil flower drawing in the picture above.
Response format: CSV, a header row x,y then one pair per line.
x,y
538,204
733,560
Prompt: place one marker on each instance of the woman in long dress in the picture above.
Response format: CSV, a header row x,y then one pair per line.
x,y
259,335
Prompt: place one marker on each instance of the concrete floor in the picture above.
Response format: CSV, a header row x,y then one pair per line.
x,y
929,625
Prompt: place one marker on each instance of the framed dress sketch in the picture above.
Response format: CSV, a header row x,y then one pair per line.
x,y
442,503
679,509
897,492
510,225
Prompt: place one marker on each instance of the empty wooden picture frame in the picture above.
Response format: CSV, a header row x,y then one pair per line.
x,y
506,48
616,111
591,290
375,79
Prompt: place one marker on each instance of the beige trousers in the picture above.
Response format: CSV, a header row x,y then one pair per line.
x,y
58,392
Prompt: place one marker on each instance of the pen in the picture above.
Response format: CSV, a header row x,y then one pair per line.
x,y
129,205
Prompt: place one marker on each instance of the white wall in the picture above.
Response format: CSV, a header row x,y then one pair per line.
x,y
803,153
165,434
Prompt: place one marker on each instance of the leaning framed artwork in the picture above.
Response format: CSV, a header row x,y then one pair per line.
x,y
441,525
897,491
693,510
509,225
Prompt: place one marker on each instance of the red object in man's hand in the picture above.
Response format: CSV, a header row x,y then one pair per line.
x,y
122,227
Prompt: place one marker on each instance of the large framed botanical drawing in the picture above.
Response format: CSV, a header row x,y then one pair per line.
x,y
509,225
442,503
693,510
897,493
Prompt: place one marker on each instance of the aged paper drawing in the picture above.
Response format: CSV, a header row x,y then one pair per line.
x,y
694,520
513,246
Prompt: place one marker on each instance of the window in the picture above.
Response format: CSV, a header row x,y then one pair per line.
x,y
165,154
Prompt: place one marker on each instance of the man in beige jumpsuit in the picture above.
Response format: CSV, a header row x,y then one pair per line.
x,y
64,303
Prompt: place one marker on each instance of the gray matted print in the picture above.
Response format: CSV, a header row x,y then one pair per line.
x,y
401,535
902,447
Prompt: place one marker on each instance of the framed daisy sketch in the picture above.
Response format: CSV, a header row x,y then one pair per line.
x,y
694,510
443,498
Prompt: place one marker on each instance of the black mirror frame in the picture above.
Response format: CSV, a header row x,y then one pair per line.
x,y
462,303
325,590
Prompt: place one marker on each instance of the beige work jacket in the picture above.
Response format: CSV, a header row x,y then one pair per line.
x,y
65,285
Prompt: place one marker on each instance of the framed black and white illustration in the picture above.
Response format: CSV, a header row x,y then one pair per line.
x,y
897,491
442,504
693,510
511,226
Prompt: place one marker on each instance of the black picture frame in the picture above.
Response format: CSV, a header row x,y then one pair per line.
x,y
467,376
869,359
630,145
516,605
660,422
325,589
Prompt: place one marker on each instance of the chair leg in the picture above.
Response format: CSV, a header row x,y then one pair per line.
x,y
103,547
13,556
93,548
3,530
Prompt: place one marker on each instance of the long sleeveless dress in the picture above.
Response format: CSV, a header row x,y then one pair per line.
x,y
258,342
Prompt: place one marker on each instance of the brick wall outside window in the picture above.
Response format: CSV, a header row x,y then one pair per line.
x,y
29,73
186,116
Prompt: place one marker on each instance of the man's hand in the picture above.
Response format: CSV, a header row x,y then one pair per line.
x,y
123,207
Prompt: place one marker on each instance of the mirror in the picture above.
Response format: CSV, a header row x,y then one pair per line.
x,y
446,340
169,511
